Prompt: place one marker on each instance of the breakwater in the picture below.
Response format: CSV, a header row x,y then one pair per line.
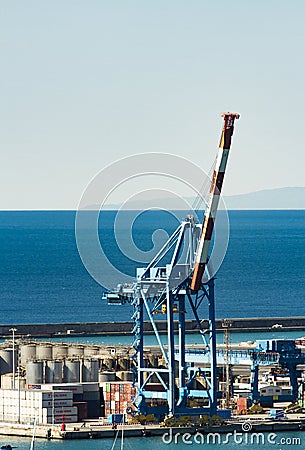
x,y
119,328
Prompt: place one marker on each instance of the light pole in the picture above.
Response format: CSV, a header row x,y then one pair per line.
x,y
13,330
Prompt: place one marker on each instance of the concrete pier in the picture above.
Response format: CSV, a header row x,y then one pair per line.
x,y
119,328
96,431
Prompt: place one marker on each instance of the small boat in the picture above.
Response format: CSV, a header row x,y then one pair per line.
x,y
7,447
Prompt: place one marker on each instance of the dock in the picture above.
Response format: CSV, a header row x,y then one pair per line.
x,y
118,328
99,431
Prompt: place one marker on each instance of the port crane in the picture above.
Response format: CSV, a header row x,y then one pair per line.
x,y
286,354
177,283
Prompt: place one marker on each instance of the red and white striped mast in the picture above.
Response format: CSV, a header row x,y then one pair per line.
x,y
202,253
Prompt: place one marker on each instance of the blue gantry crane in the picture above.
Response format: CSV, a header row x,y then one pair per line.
x,y
177,283
284,353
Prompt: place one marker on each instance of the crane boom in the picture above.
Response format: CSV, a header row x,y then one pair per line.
x,y
211,210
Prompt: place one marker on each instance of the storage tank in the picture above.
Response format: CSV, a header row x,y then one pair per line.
x,y
6,360
7,381
72,371
90,370
109,363
53,371
44,351
34,372
124,363
59,351
76,351
91,350
27,353
125,375
105,377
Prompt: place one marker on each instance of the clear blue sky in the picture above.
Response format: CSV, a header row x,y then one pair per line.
x,y
84,83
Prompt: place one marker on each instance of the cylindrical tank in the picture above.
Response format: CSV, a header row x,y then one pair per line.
x,y
34,372
91,350
27,353
90,370
153,360
44,351
53,371
6,360
76,350
72,371
105,377
109,363
59,351
7,381
125,375
124,363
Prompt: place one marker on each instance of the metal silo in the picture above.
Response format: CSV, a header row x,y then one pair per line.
x,y
124,363
75,351
90,370
27,353
34,372
109,363
72,371
91,350
105,377
53,371
125,375
6,360
44,351
59,351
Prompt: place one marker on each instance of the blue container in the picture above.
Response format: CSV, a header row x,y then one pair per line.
x,y
115,418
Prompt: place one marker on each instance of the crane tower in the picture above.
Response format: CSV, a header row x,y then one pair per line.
x,y
173,285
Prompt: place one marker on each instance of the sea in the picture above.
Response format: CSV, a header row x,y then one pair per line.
x,y
43,280
251,441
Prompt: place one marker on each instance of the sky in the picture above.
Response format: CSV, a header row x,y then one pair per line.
x,y
85,83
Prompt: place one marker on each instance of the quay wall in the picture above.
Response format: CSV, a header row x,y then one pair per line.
x,y
118,328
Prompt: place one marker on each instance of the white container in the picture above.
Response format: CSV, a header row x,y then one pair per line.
x,y
57,403
67,411
58,419
76,388
57,395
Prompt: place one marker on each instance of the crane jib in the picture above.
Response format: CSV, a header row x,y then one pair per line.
x,y
215,191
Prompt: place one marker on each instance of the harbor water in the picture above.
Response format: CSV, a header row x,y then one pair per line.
x,y
42,279
268,441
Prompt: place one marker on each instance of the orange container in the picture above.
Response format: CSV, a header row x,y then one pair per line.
x,y
241,405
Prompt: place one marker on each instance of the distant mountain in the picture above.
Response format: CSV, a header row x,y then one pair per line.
x,y
281,198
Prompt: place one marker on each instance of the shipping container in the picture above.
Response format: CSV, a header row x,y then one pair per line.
x,y
115,418
67,411
58,419
93,395
82,410
56,403
90,387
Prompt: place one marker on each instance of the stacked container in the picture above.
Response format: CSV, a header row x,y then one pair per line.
x,y
118,397
47,407
88,393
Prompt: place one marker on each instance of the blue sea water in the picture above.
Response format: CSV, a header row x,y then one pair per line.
x,y
266,441
42,278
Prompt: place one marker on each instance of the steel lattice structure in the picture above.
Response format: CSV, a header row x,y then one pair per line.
x,y
171,284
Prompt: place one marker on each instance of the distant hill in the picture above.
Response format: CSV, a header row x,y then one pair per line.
x,y
281,198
